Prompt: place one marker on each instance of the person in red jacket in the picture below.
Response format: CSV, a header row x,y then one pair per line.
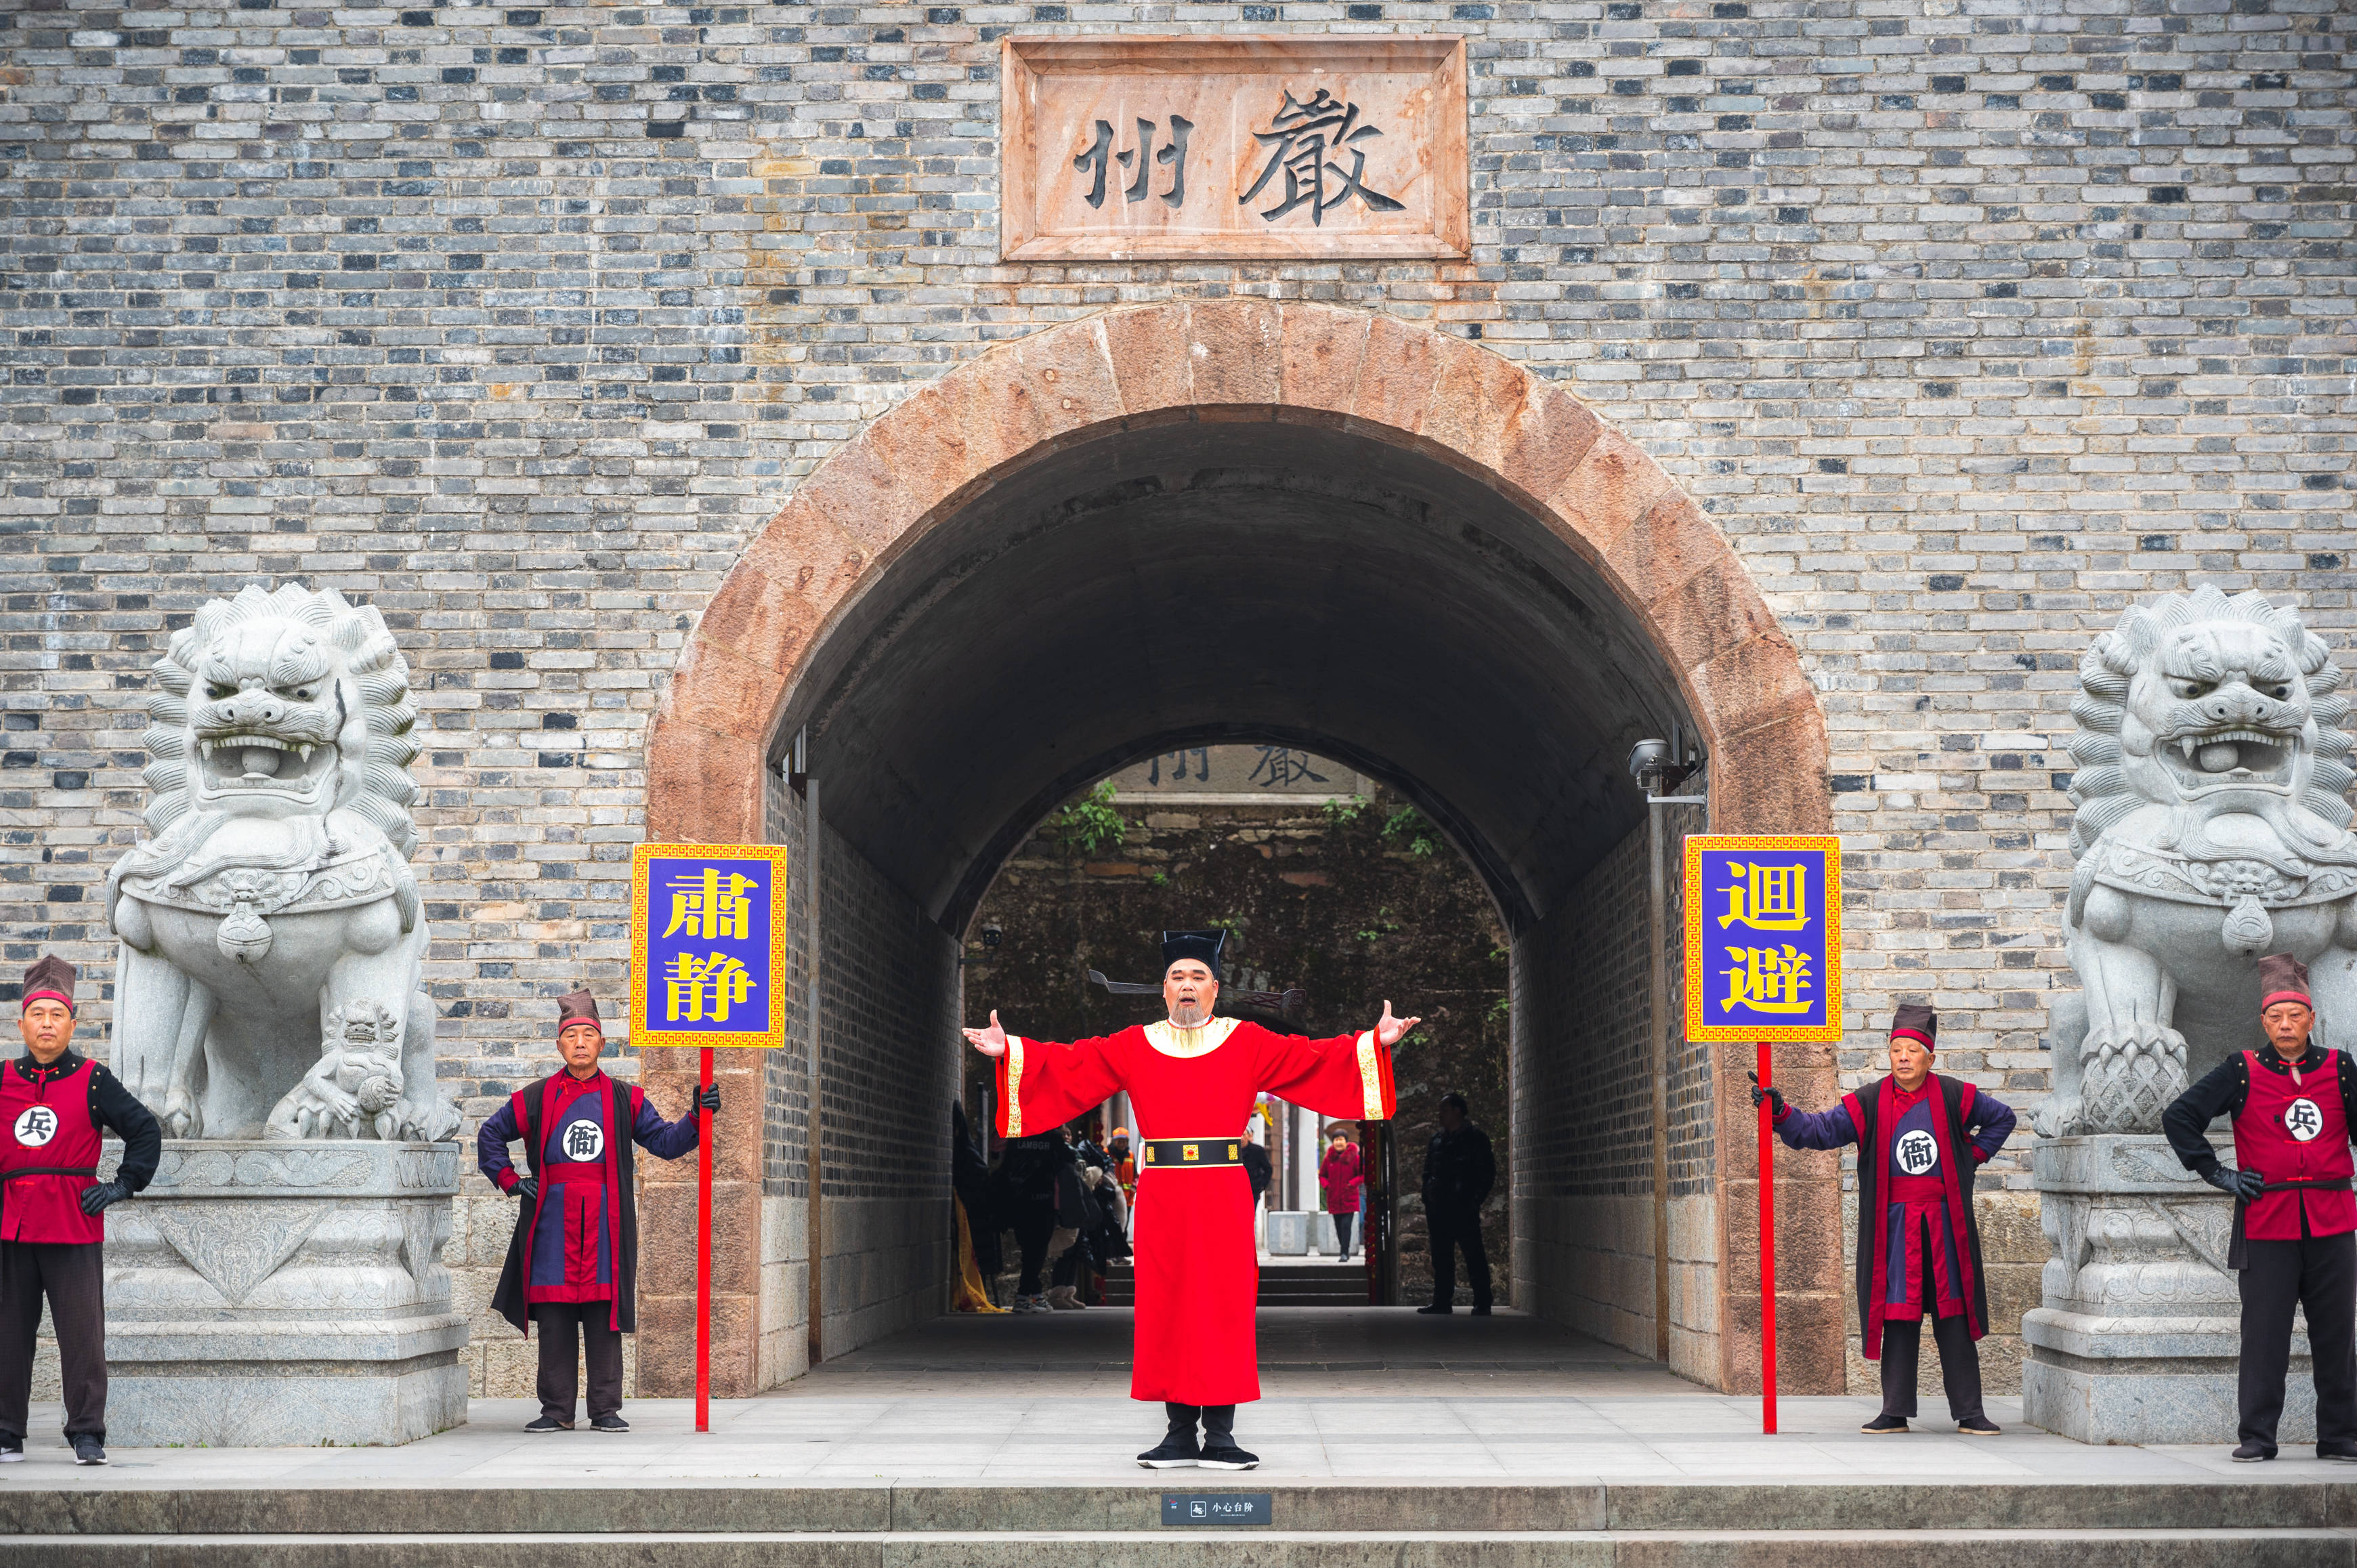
x,y
1340,1177
573,1262
54,1103
2295,1240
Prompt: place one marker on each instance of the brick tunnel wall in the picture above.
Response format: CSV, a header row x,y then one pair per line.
x,y
1584,1084
888,1066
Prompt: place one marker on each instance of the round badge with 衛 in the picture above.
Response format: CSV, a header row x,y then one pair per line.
x,y
1918,1152
583,1143
2303,1119
35,1127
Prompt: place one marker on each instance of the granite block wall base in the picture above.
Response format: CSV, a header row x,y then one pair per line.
x,y
2151,1381
285,1294
2138,1334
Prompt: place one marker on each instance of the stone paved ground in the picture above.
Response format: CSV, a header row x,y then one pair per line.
x,y
1352,1395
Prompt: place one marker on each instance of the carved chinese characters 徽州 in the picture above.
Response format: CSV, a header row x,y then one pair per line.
x,y
1138,148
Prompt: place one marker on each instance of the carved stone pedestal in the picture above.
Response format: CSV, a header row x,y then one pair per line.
x,y
285,1294
2139,1336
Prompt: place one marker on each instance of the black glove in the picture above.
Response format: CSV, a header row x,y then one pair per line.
x,y
708,1097
1765,1096
2246,1185
527,1188
104,1196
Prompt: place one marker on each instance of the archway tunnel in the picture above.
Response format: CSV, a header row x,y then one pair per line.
x,y
1209,574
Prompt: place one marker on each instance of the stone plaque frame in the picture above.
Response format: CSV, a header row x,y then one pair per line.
x,y
1441,229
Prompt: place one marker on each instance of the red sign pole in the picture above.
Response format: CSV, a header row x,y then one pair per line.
x,y
1767,1254
703,1250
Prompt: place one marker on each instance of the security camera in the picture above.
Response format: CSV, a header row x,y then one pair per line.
x,y
991,935
1648,760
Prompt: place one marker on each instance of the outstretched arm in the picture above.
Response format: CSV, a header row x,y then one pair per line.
x,y
1349,1075
1043,1084
663,1140
1996,1121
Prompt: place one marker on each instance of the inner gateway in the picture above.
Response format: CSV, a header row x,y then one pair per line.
x,y
1205,580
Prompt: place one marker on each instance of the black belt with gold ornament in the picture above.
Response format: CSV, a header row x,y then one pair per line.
x,y
1169,1153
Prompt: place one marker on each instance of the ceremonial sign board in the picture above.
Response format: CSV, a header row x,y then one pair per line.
x,y
1763,938
1194,148
707,944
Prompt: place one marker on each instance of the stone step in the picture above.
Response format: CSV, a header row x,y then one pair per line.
x,y
125,1508
1218,1548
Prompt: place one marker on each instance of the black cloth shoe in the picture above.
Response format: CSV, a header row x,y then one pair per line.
x,y
12,1451
610,1423
89,1451
1978,1426
1227,1456
1438,1309
1481,1309
1175,1452
548,1423
2344,1451
1884,1425
2252,1453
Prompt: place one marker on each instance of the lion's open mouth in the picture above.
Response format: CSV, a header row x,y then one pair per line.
x,y
250,761
2214,758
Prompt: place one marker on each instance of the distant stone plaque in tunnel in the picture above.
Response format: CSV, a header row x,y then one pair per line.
x,y
1202,148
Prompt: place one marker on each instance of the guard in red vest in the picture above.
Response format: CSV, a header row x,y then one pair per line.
x,y
2294,1104
53,1104
1921,1138
572,1263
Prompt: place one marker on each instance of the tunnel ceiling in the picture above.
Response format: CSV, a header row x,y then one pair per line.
x,y
1209,581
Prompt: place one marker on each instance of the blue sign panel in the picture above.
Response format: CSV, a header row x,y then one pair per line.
x,y
707,945
1216,1508
1763,938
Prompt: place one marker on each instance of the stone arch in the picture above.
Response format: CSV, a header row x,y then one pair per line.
x,y
985,430
1470,408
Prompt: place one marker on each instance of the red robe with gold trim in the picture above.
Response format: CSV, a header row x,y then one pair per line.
x,y
1197,1273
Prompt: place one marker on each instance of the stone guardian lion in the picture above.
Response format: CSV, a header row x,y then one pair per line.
x,y
277,887
2211,829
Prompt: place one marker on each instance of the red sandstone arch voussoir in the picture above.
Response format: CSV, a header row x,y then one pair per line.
x,y
1246,358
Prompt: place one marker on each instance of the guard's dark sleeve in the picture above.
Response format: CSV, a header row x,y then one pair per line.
x,y
492,1140
1995,1121
1484,1175
142,1137
1816,1129
663,1140
2187,1121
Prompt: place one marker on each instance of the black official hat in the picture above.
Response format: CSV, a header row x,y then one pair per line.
x,y
578,1007
53,977
1202,945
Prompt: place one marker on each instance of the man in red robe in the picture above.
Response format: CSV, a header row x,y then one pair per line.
x,y
572,1263
1192,1081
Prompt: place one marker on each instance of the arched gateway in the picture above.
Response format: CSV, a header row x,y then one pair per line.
x,y
1239,519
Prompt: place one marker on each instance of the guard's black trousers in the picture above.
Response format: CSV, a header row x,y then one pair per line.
x,y
1451,1229
2318,1274
564,1325
1960,1364
72,1276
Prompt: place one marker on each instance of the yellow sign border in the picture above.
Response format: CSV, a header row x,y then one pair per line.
x,y
644,1034
1697,845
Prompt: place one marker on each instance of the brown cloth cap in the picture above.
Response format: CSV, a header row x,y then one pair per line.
x,y
2282,978
49,975
1917,1021
578,1007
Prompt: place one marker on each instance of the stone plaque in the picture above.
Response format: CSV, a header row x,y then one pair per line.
x,y
1145,149
1203,775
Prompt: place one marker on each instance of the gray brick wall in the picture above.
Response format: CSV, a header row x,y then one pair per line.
x,y
1968,324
